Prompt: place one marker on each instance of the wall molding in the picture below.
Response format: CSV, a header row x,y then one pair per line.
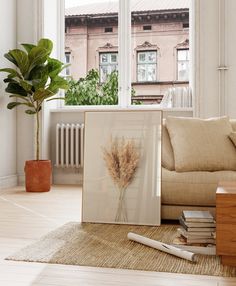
x,y
8,181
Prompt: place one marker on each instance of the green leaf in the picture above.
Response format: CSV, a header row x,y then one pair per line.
x,y
54,67
30,112
6,80
12,72
28,47
15,88
46,44
41,94
9,57
56,98
58,82
39,77
14,104
11,105
21,97
21,59
26,86
37,56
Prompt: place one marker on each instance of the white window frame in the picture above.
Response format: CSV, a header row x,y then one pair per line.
x,y
124,53
146,65
182,61
108,64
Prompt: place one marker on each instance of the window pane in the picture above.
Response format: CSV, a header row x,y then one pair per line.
x,y
141,73
182,55
142,57
152,57
151,72
104,58
183,71
103,73
155,62
108,65
92,37
147,71
113,58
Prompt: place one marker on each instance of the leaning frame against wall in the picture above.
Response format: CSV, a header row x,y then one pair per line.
x,y
122,167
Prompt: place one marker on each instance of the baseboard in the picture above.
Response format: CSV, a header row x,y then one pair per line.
x,y
67,177
8,181
21,180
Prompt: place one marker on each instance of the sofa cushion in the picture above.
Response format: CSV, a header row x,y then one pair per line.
x,y
201,144
192,188
167,158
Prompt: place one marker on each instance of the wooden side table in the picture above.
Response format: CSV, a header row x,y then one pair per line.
x,y
226,222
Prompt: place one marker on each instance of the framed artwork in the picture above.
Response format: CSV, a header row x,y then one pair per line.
x,y
122,167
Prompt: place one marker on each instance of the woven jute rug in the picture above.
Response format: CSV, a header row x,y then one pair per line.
x,y
106,245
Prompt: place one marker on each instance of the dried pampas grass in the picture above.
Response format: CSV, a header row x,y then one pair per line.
x,y
121,160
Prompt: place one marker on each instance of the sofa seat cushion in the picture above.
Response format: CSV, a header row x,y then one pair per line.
x,y
192,188
201,144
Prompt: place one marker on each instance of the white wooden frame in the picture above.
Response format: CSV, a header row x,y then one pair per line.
x,y
124,53
142,200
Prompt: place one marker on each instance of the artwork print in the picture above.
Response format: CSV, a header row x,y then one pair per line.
x,y
122,167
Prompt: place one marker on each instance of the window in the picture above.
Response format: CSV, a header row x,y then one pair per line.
x,y
108,64
137,41
108,30
185,25
147,27
147,66
183,64
68,61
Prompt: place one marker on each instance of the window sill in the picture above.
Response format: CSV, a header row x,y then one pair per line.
x,y
159,82
116,108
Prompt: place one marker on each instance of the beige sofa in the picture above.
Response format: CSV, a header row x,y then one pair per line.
x,y
187,190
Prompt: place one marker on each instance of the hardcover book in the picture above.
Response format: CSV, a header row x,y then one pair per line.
x,y
204,226
197,216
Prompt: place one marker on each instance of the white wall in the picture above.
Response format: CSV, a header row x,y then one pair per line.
x,y
26,33
8,176
215,47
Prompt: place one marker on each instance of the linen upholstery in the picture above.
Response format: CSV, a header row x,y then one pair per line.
x,y
192,188
201,144
167,150
232,137
233,124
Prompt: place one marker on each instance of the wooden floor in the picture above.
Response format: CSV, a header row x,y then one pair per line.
x,y
27,216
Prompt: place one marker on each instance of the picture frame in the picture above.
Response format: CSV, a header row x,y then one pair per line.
x,y
137,136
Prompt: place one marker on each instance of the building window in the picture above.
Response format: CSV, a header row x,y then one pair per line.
x,y
185,25
68,61
183,64
108,64
108,30
146,66
147,28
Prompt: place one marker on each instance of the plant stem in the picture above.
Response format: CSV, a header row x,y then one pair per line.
x,y
121,212
37,135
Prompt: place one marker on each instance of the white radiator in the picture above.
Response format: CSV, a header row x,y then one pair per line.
x,y
69,145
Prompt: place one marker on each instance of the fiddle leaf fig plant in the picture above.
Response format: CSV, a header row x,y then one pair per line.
x,y
36,78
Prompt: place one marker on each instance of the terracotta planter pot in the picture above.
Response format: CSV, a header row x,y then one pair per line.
x,y
38,175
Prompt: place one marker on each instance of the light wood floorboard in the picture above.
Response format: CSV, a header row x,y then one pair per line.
x,y
27,216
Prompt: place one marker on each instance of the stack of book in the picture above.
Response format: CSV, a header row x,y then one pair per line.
x,y
197,227
197,230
